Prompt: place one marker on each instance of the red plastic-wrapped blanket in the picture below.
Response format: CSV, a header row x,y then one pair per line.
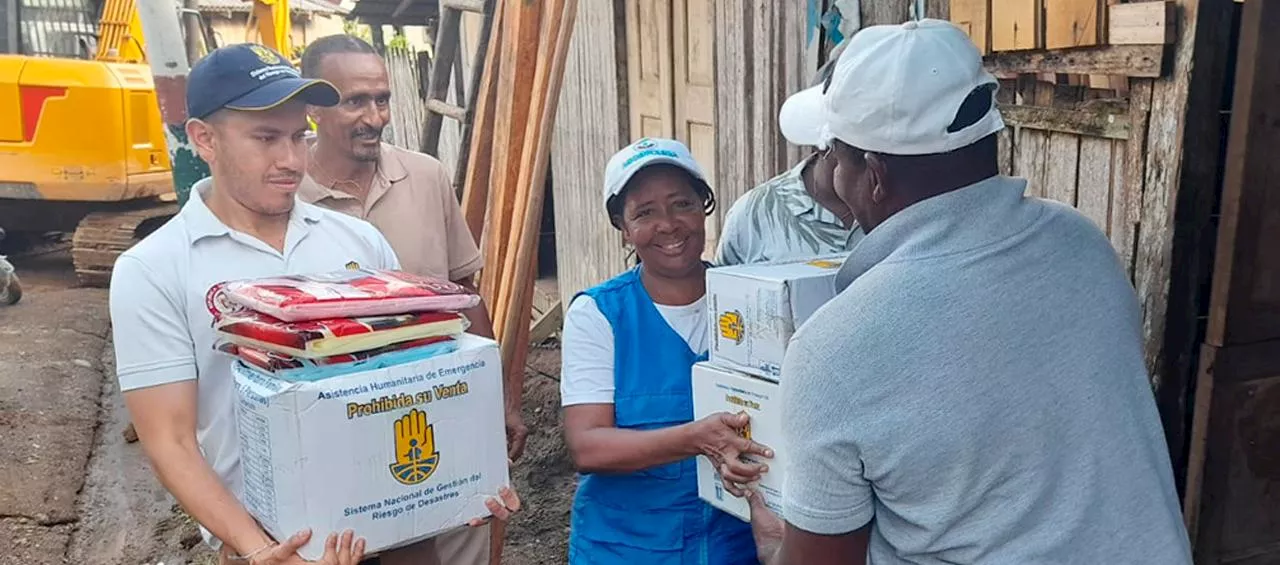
x,y
302,369
341,294
339,336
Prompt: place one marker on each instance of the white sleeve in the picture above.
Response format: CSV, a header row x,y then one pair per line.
x,y
586,355
824,490
152,340
387,258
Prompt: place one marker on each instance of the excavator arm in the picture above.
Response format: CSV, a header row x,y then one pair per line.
x,y
120,33
272,17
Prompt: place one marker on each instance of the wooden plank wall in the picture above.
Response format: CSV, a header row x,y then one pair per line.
x,y
408,109
450,132
1084,171
765,51
590,126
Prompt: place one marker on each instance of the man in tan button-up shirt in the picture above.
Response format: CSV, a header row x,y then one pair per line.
x,y
408,196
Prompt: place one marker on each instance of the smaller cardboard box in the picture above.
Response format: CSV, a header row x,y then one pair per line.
x,y
755,309
398,454
717,389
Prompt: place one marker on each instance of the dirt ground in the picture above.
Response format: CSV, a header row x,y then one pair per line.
x,y
74,492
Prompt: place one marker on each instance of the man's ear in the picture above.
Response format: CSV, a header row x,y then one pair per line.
x,y
201,135
313,112
878,176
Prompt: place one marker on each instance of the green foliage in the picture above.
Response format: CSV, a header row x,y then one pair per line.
x,y
398,42
350,27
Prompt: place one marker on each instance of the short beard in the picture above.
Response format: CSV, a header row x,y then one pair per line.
x,y
372,157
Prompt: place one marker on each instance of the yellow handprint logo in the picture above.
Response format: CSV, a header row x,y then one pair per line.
x,y
825,263
731,326
416,455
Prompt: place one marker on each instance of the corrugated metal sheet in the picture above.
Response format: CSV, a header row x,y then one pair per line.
x,y
301,6
416,13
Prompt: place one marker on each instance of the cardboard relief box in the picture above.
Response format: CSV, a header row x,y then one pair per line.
x,y
397,454
716,389
755,309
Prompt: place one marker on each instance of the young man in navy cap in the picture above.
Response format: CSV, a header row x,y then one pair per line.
x,y
247,109
976,393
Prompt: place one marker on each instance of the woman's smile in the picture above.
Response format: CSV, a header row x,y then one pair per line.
x,y
672,248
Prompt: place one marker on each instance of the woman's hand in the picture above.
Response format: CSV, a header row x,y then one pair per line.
x,y
719,437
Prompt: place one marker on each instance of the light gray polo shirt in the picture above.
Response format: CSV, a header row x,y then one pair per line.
x,y
163,330
978,389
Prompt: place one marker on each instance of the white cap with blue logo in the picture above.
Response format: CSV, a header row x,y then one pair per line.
x,y
643,153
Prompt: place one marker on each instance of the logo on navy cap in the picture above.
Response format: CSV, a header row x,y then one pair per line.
x,y
265,55
250,77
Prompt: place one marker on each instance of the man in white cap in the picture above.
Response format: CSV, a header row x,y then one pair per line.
x,y
976,393
794,215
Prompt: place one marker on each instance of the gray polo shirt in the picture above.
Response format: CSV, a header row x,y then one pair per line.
x,y
978,389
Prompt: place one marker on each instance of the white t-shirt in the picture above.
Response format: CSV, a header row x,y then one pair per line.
x,y
163,329
586,362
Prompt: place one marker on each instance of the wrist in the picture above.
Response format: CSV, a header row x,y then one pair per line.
x,y
256,556
692,445
769,554
250,549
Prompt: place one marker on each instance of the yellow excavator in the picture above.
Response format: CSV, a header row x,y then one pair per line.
x,y
82,143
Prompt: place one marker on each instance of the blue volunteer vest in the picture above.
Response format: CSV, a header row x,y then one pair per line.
x,y
651,517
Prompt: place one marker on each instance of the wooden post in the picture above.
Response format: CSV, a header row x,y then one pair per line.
x,y
1180,181
191,21
167,55
9,26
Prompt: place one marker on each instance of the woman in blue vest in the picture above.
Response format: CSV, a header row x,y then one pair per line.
x,y
629,346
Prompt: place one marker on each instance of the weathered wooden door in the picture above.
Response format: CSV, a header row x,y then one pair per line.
x,y
1232,503
649,61
671,78
695,92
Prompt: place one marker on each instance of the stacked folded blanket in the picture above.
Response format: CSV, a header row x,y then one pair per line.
x,y
318,326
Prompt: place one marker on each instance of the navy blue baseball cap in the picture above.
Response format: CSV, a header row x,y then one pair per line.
x,y
249,76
